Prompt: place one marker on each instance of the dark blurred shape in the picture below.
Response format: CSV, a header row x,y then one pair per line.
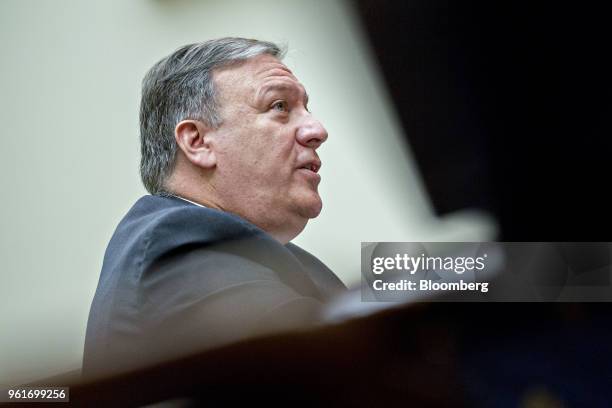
x,y
506,107
588,261
421,356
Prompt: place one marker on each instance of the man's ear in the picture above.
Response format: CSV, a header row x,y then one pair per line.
x,y
193,138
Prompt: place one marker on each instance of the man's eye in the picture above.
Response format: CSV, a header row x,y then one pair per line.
x,y
281,106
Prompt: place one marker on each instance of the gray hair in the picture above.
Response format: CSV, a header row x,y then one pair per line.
x,y
180,87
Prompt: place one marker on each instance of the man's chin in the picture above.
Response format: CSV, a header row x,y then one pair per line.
x,y
311,206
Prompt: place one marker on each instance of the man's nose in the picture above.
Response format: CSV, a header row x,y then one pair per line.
x,y
311,133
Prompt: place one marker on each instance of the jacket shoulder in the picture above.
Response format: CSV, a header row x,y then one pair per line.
x,y
157,225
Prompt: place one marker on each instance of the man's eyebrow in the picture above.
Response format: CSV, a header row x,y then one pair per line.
x,y
282,87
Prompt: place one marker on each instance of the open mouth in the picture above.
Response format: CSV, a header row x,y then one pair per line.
x,y
312,167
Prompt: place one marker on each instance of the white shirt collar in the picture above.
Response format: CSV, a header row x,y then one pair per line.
x,y
189,201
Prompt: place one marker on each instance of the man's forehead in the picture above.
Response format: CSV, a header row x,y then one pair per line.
x,y
268,66
254,72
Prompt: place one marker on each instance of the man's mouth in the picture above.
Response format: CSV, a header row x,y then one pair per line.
x,y
313,166
310,170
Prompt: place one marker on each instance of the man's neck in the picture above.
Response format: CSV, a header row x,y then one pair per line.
x,y
200,199
280,233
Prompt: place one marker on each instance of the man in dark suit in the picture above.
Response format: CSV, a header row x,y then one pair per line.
x,y
229,155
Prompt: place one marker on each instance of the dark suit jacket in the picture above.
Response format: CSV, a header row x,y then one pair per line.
x,y
178,277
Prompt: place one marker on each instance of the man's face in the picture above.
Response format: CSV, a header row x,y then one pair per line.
x,y
267,165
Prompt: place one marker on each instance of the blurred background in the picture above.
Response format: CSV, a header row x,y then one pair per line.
x,y
506,107
448,121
